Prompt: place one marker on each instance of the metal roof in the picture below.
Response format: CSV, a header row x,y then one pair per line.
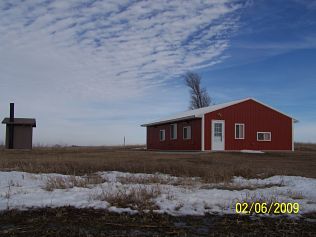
x,y
198,113
20,121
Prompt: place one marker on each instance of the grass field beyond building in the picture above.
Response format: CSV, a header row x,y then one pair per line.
x,y
211,167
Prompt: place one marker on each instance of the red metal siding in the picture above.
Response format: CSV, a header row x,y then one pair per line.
x,y
153,139
257,118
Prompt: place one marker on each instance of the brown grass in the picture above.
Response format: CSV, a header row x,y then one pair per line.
x,y
152,179
59,182
294,195
211,167
305,147
238,187
157,179
138,198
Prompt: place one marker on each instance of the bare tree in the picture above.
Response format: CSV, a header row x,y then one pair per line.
x,y
199,96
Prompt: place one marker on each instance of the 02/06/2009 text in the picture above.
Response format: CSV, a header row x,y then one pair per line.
x,y
267,208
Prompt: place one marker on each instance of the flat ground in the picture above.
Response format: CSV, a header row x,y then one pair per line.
x,y
211,167
69,221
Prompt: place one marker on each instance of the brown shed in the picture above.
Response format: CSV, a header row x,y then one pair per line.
x,y
19,131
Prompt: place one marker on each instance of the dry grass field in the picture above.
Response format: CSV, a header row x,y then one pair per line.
x,y
210,166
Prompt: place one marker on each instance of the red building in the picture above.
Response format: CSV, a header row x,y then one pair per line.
x,y
238,125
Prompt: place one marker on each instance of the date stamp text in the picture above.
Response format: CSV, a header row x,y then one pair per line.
x,y
267,208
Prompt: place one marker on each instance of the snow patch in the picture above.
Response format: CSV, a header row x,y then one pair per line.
x,y
252,151
25,190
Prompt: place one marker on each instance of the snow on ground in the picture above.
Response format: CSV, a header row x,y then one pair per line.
x,y
25,190
252,151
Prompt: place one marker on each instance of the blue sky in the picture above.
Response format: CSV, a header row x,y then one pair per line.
x,y
91,72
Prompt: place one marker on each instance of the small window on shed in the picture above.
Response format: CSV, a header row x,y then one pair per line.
x,y
263,136
239,131
162,134
187,132
173,131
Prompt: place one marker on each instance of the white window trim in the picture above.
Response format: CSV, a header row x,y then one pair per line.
x,y
263,136
164,136
243,131
176,132
190,133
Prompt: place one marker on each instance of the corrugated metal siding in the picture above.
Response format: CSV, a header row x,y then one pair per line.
x,y
153,141
257,118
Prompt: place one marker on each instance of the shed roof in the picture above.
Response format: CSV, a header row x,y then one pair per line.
x,y
20,121
198,113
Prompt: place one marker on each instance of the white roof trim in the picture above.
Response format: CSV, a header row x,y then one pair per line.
x,y
168,121
198,113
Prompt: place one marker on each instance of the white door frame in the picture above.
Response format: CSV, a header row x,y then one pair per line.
x,y
217,146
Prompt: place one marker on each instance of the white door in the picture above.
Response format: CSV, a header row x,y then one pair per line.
x,y
218,135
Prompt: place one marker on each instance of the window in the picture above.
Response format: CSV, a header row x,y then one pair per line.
x,y
162,134
218,131
173,131
187,132
263,136
239,131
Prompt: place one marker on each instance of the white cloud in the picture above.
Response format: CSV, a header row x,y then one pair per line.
x,y
63,54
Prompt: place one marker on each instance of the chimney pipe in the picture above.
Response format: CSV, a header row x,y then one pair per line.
x,y
11,127
11,112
